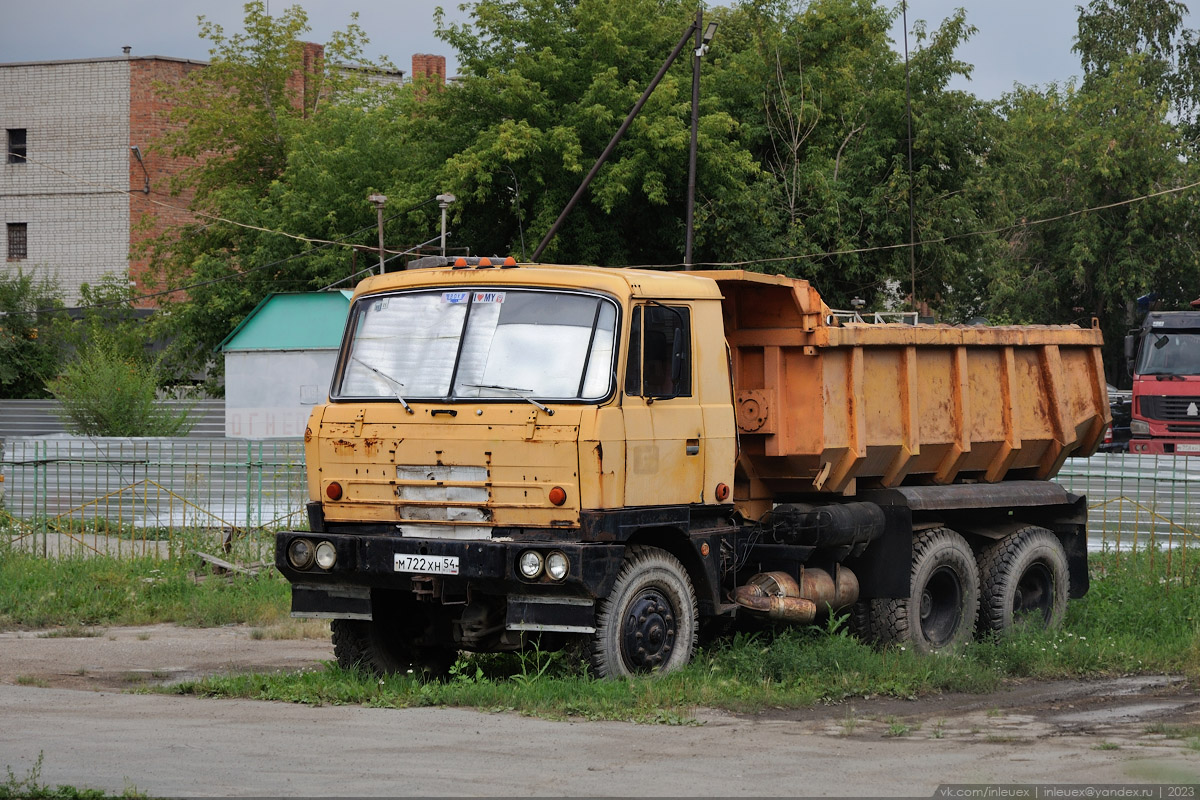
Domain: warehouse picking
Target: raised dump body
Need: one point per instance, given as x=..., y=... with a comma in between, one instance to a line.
x=834, y=406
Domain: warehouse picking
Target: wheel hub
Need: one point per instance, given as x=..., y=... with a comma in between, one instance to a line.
x=648, y=633
x=941, y=606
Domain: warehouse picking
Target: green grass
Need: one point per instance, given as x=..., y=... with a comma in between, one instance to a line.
x=30, y=786
x=1132, y=621
x=81, y=592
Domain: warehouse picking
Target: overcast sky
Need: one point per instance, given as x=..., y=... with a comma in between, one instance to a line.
x=1019, y=41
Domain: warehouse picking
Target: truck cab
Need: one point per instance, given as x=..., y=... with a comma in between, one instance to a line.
x=1164, y=360
x=496, y=437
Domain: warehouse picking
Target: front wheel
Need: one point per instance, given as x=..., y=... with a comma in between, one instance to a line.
x=1025, y=581
x=648, y=622
x=943, y=600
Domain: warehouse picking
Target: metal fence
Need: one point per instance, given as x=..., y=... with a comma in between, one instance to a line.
x=148, y=489
x=138, y=495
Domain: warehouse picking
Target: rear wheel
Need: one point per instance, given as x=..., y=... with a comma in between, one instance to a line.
x=943, y=600
x=396, y=641
x=648, y=622
x=1025, y=581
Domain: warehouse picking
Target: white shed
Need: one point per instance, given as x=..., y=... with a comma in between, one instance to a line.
x=279, y=361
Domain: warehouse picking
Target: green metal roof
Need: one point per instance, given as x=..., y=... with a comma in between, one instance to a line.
x=310, y=321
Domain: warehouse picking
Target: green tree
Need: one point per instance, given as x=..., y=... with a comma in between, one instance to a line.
x=283, y=142
x=544, y=87
x=1112, y=31
x=32, y=327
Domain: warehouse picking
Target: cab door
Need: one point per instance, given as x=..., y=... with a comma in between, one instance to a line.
x=664, y=456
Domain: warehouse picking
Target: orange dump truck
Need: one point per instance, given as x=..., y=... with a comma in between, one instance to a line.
x=614, y=457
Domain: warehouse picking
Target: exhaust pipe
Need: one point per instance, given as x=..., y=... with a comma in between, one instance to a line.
x=780, y=597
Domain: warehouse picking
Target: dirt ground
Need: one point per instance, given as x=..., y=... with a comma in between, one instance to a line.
x=1141, y=729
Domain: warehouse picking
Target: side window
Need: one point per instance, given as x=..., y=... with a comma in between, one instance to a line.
x=660, y=352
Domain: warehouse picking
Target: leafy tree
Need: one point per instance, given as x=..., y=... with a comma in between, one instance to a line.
x=1111, y=31
x=32, y=330
x=276, y=152
x=544, y=87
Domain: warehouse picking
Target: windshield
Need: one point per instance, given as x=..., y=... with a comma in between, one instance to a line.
x=494, y=343
x=1171, y=353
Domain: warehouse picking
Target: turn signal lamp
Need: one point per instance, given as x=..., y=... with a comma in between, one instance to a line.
x=334, y=491
x=558, y=495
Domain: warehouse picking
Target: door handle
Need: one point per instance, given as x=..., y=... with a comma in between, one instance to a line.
x=693, y=447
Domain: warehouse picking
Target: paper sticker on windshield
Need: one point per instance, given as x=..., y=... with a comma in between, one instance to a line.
x=489, y=297
x=455, y=297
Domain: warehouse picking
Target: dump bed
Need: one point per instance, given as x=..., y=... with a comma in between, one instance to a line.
x=832, y=406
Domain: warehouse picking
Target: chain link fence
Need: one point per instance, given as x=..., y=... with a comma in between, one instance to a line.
x=142, y=495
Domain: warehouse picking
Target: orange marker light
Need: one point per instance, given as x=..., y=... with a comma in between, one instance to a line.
x=722, y=492
x=334, y=491
x=558, y=495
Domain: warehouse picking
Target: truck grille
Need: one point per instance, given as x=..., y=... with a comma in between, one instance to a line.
x=443, y=493
x=1182, y=408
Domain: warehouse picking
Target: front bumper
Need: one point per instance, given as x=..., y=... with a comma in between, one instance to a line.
x=368, y=561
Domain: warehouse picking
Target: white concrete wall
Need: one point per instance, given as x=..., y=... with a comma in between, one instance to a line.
x=70, y=192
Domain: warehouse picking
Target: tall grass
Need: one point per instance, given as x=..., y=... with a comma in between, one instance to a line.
x=38, y=592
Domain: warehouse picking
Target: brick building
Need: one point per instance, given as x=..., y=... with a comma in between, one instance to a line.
x=79, y=187
x=72, y=187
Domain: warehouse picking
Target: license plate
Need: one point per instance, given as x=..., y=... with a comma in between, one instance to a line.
x=436, y=565
x=1187, y=448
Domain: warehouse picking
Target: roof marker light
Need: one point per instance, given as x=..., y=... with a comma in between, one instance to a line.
x=484, y=263
x=509, y=263
x=460, y=263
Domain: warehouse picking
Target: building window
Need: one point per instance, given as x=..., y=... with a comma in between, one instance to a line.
x=18, y=241
x=16, y=145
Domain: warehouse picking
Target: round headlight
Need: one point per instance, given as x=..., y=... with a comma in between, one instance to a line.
x=557, y=565
x=530, y=564
x=300, y=553
x=326, y=555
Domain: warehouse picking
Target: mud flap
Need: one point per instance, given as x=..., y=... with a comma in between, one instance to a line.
x=559, y=614
x=331, y=602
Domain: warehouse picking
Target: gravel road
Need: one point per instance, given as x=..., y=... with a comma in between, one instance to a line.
x=68, y=700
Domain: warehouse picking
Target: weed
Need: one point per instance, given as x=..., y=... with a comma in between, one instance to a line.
x=939, y=730
x=72, y=632
x=896, y=729
x=1106, y=745
x=32, y=680
x=849, y=724
x=31, y=787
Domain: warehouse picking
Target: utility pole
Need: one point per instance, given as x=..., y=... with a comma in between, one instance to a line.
x=378, y=200
x=444, y=201
x=702, y=40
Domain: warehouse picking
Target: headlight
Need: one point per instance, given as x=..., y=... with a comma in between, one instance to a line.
x=300, y=553
x=1139, y=427
x=326, y=555
x=557, y=565
x=530, y=564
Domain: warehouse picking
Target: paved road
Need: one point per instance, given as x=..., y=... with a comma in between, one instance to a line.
x=172, y=746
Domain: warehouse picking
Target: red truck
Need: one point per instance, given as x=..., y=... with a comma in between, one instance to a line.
x=1164, y=359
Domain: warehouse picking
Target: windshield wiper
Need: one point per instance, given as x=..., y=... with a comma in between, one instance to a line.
x=521, y=393
x=397, y=384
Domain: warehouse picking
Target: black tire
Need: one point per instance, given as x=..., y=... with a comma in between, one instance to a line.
x=382, y=646
x=861, y=622
x=940, y=611
x=1024, y=580
x=648, y=622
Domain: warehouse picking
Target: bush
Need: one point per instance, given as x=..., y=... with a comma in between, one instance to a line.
x=31, y=340
x=105, y=392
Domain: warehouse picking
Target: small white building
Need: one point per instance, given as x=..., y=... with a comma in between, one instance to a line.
x=279, y=362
